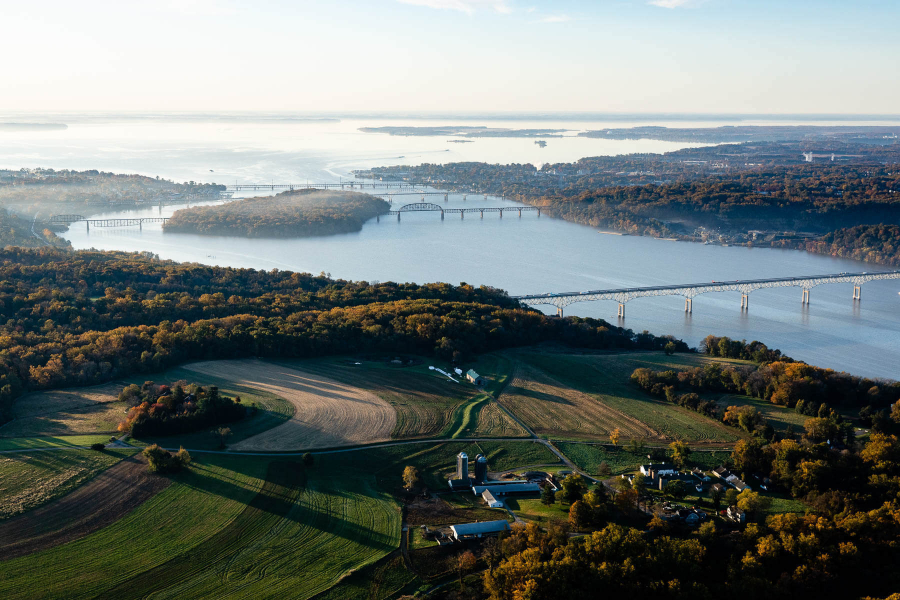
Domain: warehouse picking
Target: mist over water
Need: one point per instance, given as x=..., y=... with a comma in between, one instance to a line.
x=522, y=255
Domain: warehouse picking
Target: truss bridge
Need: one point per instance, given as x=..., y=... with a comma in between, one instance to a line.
x=689, y=291
x=429, y=207
x=124, y=222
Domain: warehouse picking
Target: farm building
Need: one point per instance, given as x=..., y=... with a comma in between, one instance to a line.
x=468, y=531
x=654, y=471
x=474, y=377
x=462, y=466
x=481, y=468
x=505, y=488
x=491, y=500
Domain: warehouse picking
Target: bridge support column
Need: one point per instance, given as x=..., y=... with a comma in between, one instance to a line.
x=621, y=310
x=378, y=218
x=446, y=197
x=539, y=212
x=442, y=215
x=520, y=213
x=482, y=214
x=745, y=301
x=88, y=225
x=462, y=215
x=485, y=196
x=559, y=311
x=805, y=299
x=464, y=197
x=857, y=292
x=398, y=217
x=688, y=305
x=501, y=213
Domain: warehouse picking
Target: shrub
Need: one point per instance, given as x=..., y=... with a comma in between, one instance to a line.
x=160, y=460
x=99, y=446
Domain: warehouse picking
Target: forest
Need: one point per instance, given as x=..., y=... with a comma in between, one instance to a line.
x=34, y=188
x=79, y=318
x=162, y=409
x=295, y=213
x=847, y=206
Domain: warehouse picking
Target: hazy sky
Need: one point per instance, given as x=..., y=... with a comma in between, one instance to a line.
x=756, y=56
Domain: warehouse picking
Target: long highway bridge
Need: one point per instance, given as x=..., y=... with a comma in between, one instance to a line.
x=383, y=185
x=691, y=290
x=139, y=221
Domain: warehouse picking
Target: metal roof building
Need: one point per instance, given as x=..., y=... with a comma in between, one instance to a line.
x=509, y=488
x=477, y=530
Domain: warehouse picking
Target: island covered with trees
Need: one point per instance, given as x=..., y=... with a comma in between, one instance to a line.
x=295, y=213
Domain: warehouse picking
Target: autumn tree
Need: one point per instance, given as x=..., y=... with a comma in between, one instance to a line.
x=614, y=437
x=679, y=452
x=222, y=434
x=410, y=477
x=573, y=488
x=548, y=496
x=465, y=562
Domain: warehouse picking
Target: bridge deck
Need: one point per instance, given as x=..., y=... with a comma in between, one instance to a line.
x=691, y=290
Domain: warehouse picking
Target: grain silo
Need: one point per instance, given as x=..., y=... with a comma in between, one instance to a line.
x=462, y=466
x=481, y=468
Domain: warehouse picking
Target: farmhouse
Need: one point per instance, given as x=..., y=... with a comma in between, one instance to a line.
x=468, y=531
x=474, y=377
x=657, y=470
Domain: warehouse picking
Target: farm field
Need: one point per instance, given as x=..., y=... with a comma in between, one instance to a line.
x=48, y=442
x=606, y=377
x=30, y=479
x=553, y=409
x=70, y=411
x=426, y=403
x=327, y=413
x=492, y=421
x=97, y=503
x=246, y=527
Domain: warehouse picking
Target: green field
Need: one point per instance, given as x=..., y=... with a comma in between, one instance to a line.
x=29, y=479
x=243, y=526
x=62, y=441
x=607, y=378
x=531, y=509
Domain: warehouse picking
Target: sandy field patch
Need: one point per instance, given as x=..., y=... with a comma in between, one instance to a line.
x=328, y=413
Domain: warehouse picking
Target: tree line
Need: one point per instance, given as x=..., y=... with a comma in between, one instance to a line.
x=54, y=332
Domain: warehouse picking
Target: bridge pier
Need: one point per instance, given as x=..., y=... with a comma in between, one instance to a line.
x=482, y=214
x=378, y=218
x=688, y=305
x=87, y=225
x=462, y=215
x=539, y=212
x=805, y=298
x=501, y=213
x=446, y=197
x=398, y=217
x=442, y=215
x=520, y=213
x=559, y=311
x=857, y=292
x=745, y=301
x=464, y=197
x=621, y=314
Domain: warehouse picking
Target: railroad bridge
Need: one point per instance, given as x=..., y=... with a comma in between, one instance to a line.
x=429, y=207
x=690, y=291
x=139, y=221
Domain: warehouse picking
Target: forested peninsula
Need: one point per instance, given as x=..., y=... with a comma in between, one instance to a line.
x=296, y=213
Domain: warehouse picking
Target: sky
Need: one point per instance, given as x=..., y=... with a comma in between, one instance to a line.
x=420, y=56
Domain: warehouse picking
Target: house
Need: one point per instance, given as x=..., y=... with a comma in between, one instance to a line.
x=468, y=531
x=717, y=488
x=474, y=377
x=721, y=472
x=699, y=474
x=739, y=485
x=736, y=514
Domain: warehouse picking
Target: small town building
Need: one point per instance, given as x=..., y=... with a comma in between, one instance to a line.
x=491, y=500
x=654, y=471
x=503, y=488
x=736, y=514
x=468, y=531
x=474, y=377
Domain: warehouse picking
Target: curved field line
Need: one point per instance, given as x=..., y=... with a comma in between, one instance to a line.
x=327, y=413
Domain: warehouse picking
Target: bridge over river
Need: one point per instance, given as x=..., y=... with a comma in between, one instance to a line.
x=689, y=291
x=428, y=207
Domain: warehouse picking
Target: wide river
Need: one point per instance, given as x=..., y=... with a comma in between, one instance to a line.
x=522, y=255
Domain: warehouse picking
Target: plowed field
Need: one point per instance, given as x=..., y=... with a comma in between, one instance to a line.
x=328, y=413
x=549, y=407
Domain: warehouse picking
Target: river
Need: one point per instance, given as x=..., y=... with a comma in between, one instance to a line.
x=523, y=255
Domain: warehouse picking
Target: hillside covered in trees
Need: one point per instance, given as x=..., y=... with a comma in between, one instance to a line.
x=15, y=231
x=296, y=213
x=761, y=193
x=79, y=318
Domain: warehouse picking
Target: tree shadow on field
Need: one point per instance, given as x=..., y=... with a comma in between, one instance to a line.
x=542, y=396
